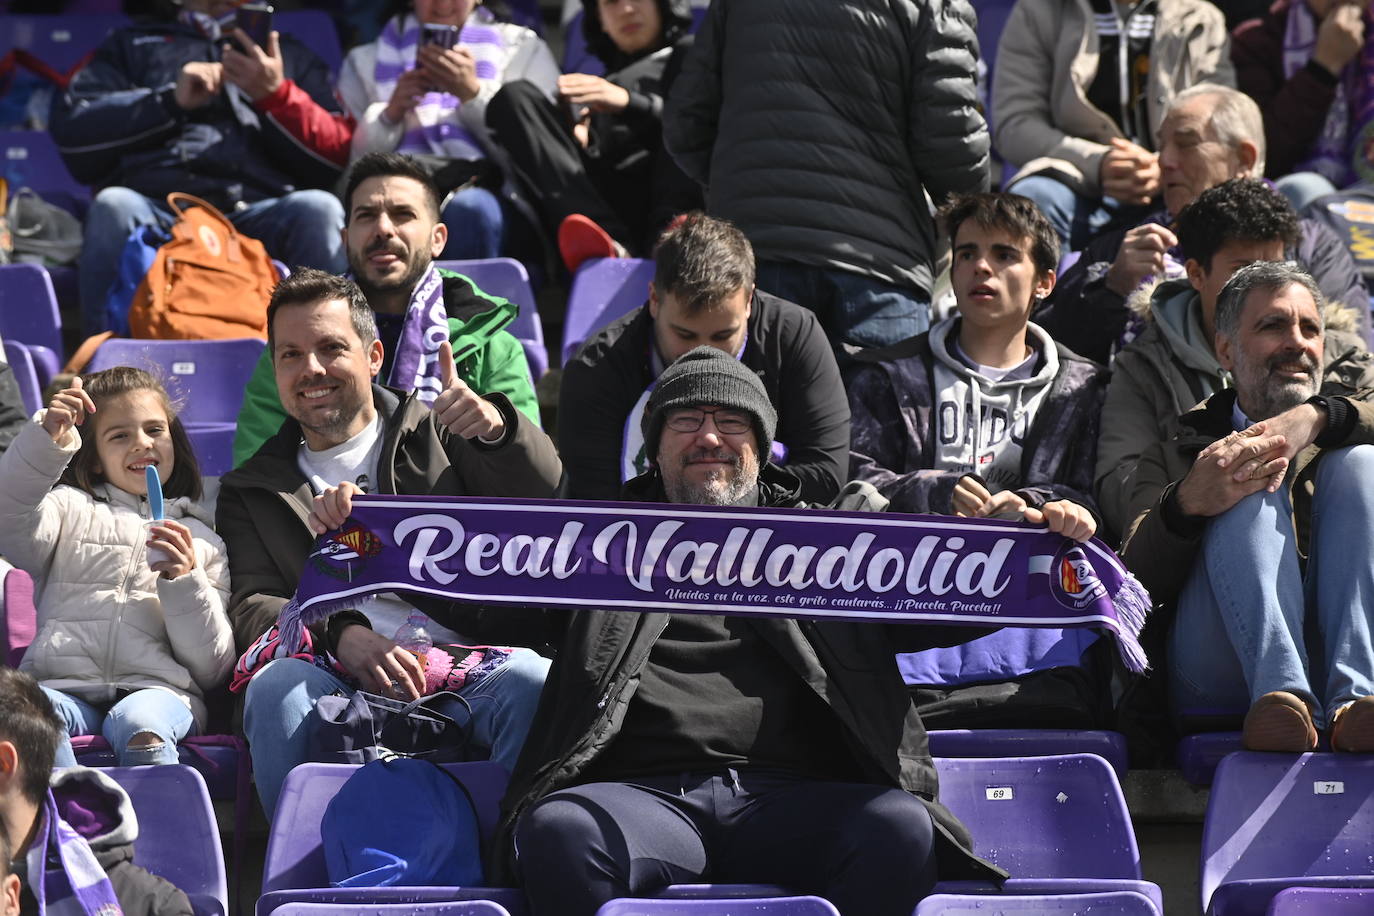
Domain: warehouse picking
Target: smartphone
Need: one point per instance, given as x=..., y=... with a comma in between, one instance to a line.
x=444, y=36
x=255, y=19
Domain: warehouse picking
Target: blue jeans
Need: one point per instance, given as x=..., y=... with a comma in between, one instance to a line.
x=302, y=229
x=1075, y=218
x=852, y=308
x=281, y=699
x=154, y=711
x=867, y=848
x=476, y=225
x=1247, y=611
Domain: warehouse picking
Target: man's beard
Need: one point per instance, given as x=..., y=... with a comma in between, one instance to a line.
x=416, y=265
x=724, y=487
x=1267, y=395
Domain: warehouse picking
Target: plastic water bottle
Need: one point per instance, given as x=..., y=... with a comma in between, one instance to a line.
x=414, y=638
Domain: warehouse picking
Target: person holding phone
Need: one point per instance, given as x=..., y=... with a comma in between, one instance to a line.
x=422, y=89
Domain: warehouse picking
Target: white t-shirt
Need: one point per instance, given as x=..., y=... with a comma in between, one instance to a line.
x=356, y=460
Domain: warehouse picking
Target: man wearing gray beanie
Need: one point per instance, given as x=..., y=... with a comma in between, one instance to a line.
x=686, y=748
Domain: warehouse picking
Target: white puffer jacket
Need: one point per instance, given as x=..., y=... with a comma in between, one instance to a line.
x=106, y=622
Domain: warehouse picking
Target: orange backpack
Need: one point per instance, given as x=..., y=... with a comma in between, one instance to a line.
x=208, y=283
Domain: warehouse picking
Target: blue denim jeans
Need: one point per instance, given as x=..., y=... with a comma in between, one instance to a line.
x=852, y=308
x=280, y=701
x=158, y=712
x=302, y=229
x=1247, y=613
x=476, y=225
x=1075, y=218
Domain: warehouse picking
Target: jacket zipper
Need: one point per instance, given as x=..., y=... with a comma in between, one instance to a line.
x=122, y=602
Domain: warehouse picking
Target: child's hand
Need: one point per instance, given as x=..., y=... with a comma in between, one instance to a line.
x=175, y=539
x=68, y=408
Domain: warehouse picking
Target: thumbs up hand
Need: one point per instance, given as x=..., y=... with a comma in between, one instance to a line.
x=461, y=410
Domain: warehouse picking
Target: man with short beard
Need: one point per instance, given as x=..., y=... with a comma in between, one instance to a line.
x=680, y=748
x=392, y=234
x=1261, y=528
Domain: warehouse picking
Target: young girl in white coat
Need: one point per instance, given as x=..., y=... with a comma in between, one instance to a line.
x=129, y=638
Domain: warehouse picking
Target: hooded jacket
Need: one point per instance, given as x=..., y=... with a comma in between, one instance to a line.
x=106, y=622
x=1046, y=61
x=119, y=124
x=1169, y=369
x=264, y=503
x=100, y=811
x=894, y=445
x=488, y=358
x=819, y=127
x=849, y=665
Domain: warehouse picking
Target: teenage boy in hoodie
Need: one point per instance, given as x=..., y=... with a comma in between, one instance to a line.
x=78, y=825
x=602, y=182
x=1172, y=366
x=984, y=416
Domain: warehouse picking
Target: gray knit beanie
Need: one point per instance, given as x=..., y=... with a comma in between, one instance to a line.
x=709, y=376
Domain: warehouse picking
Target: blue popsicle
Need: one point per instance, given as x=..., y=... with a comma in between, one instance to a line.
x=154, y=493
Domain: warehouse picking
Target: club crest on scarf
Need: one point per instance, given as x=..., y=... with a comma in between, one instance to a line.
x=343, y=555
x=1076, y=586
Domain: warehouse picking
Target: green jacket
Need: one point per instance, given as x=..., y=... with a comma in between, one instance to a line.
x=488, y=358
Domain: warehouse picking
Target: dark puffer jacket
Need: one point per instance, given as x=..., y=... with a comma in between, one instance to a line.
x=818, y=127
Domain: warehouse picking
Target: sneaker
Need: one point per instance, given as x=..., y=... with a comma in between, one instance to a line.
x=1279, y=721
x=580, y=238
x=1352, y=728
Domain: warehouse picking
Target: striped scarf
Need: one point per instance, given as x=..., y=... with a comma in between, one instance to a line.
x=432, y=126
x=79, y=887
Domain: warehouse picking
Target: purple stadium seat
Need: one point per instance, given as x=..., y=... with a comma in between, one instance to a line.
x=29, y=159
x=1072, y=830
x=432, y=908
x=28, y=314
x=61, y=42
x=736, y=906
x=1323, y=901
x=1029, y=742
x=1285, y=820
x=178, y=838
x=1198, y=755
x=1114, y=903
x=410, y=899
x=19, y=617
x=314, y=29
x=603, y=289
x=507, y=278
x=21, y=363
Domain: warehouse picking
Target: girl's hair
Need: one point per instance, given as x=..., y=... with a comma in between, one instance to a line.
x=102, y=386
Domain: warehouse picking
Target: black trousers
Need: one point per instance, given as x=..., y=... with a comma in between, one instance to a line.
x=631, y=194
x=868, y=849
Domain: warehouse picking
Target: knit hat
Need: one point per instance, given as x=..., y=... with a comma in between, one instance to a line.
x=709, y=376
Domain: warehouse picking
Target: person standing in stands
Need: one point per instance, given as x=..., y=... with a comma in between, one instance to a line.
x=702, y=293
x=820, y=128
x=412, y=96
x=392, y=237
x=192, y=104
x=604, y=185
x=1080, y=90
x=986, y=417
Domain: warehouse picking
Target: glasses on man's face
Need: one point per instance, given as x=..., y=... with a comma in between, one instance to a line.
x=729, y=422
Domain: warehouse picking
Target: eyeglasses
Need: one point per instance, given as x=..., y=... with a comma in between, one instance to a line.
x=729, y=422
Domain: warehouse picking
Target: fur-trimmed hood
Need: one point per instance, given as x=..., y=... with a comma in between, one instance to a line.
x=1337, y=316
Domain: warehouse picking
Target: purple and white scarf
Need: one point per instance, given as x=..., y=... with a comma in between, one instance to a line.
x=81, y=885
x=805, y=563
x=416, y=364
x=1338, y=154
x=432, y=126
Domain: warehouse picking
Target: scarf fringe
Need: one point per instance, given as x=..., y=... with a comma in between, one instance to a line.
x=1132, y=603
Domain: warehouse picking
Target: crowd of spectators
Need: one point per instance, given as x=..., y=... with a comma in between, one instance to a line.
x=1195, y=389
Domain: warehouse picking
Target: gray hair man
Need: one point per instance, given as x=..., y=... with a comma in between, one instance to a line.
x=1261, y=529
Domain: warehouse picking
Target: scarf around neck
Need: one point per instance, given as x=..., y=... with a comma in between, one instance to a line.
x=416, y=364
x=433, y=126
x=80, y=886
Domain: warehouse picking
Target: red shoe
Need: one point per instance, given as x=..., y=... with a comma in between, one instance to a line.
x=580, y=239
x=1353, y=729
x=1279, y=721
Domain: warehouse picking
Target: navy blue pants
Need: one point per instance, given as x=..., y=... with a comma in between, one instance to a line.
x=868, y=849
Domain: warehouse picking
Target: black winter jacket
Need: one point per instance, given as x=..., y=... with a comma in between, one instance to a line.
x=118, y=124
x=819, y=127
x=785, y=346
x=851, y=666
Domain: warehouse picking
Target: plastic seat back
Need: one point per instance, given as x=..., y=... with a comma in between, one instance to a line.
x=431, y=908
x=25, y=375
x=209, y=376
x=314, y=29
x=59, y=41
x=507, y=278
x=1324, y=901
x=28, y=309
x=1029, y=742
x=603, y=290
x=1110, y=903
x=726, y=906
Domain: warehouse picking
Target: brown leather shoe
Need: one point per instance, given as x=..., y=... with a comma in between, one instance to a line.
x=1353, y=730
x=1279, y=721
